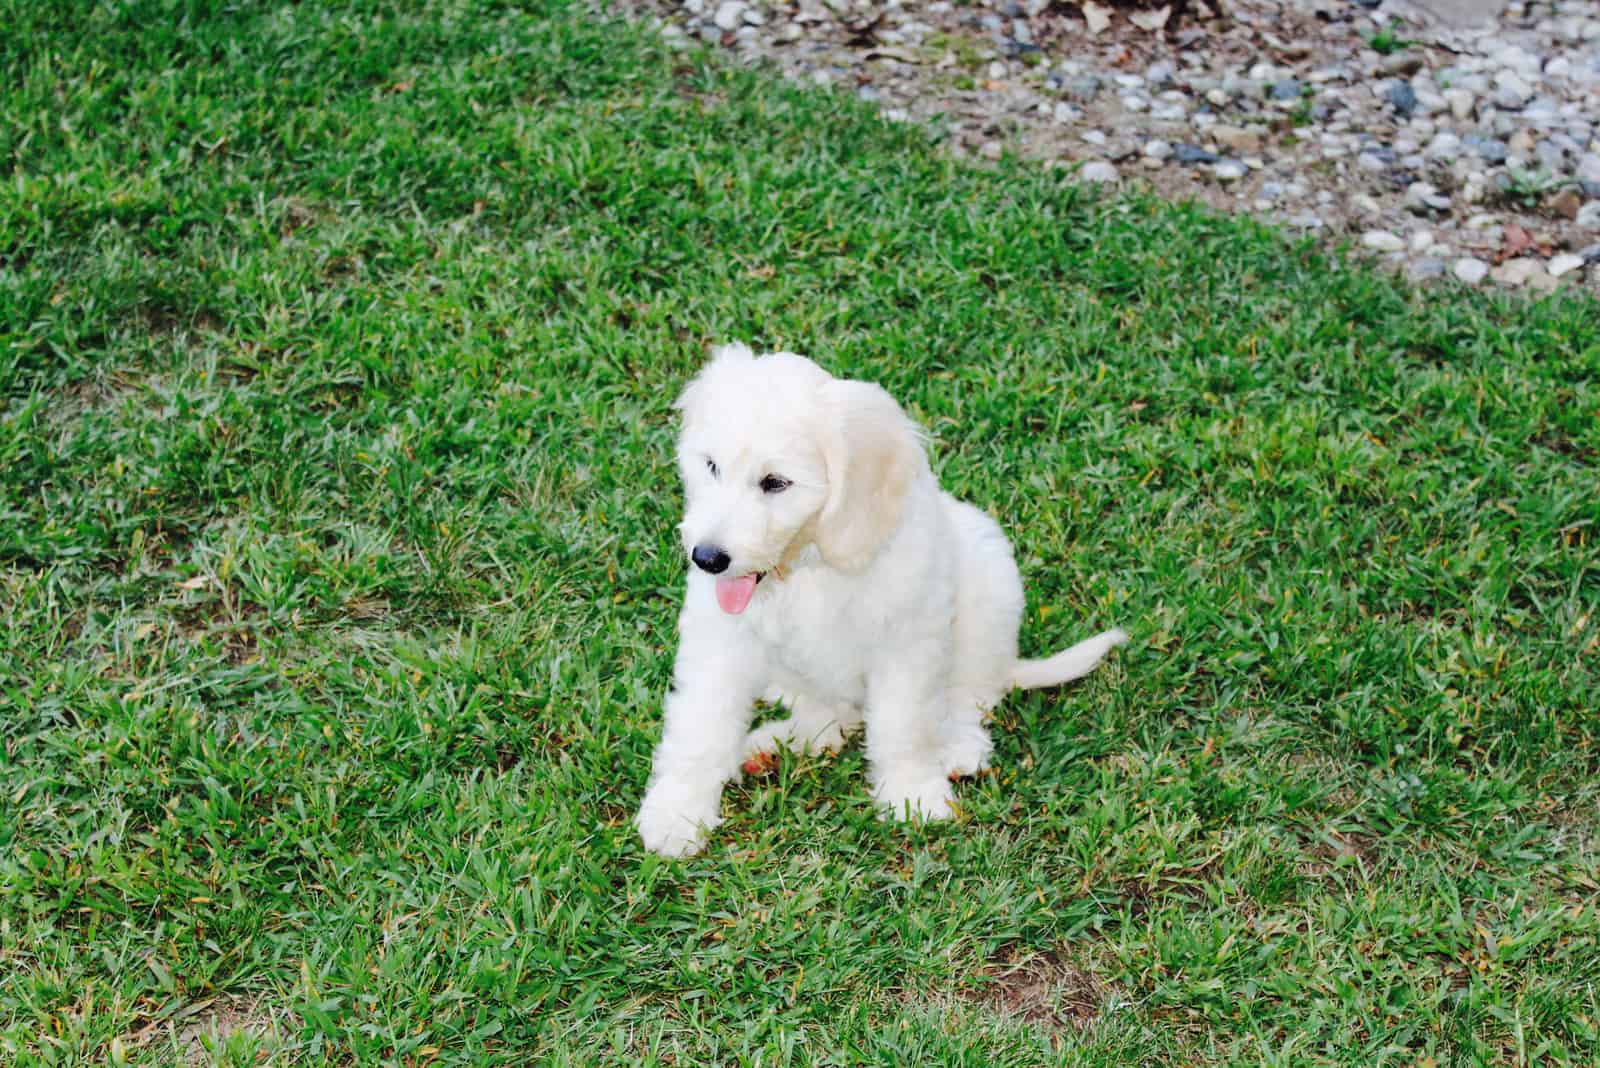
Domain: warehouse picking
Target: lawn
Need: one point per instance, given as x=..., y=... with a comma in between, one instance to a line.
x=338, y=577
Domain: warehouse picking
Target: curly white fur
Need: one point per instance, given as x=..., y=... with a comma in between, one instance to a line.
x=851, y=588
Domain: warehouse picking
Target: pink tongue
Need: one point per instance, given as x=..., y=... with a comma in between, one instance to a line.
x=734, y=594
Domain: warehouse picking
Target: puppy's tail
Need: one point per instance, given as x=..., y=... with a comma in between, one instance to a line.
x=1071, y=663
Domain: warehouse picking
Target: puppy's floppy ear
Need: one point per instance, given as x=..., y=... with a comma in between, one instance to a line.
x=723, y=356
x=873, y=455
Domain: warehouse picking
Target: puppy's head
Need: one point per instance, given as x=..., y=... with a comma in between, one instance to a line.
x=775, y=454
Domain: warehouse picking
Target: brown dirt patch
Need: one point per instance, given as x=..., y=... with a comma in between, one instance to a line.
x=1328, y=851
x=1044, y=989
x=217, y=1021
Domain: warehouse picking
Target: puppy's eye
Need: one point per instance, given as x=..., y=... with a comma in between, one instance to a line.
x=774, y=484
x=711, y=465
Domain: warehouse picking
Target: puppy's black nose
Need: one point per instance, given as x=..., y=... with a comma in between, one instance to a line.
x=710, y=559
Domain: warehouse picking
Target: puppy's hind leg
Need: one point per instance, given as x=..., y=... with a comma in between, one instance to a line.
x=964, y=744
x=905, y=717
x=811, y=727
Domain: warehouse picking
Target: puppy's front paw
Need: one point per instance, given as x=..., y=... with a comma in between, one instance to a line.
x=762, y=744
x=966, y=751
x=918, y=799
x=673, y=824
x=760, y=764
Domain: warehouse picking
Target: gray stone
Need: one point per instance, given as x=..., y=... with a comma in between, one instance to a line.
x=1425, y=270
x=1402, y=97
x=1160, y=74
x=1193, y=154
x=1424, y=197
x=1550, y=156
x=1234, y=85
x=1543, y=280
x=1229, y=170
x=1590, y=253
x=1084, y=88
x=1508, y=100
x=1429, y=102
x=1462, y=103
x=1236, y=138
x=1517, y=272
x=1099, y=171
x=1471, y=271
x=1518, y=59
x=1445, y=147
x=1511, y=92
x=1287, y=89
x=1383, y=241
x=1459, y=14
x=1157, y=149
x=729, y=16
x=1376, y=158
x=1564, y=264
x=1488, y=149
x=1401, y=64
x=1541, y=109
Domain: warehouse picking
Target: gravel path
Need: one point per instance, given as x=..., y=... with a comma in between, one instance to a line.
x=1465, y=151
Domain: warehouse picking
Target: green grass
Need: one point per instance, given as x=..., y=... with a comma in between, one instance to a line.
x=338, y=579
x=1386, y=42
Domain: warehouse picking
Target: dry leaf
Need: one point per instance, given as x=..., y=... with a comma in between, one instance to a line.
x=1151, y=20
x=1514, y=243
x=195, y=583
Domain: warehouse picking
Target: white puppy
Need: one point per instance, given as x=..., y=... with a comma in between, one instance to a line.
x=832, y=573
